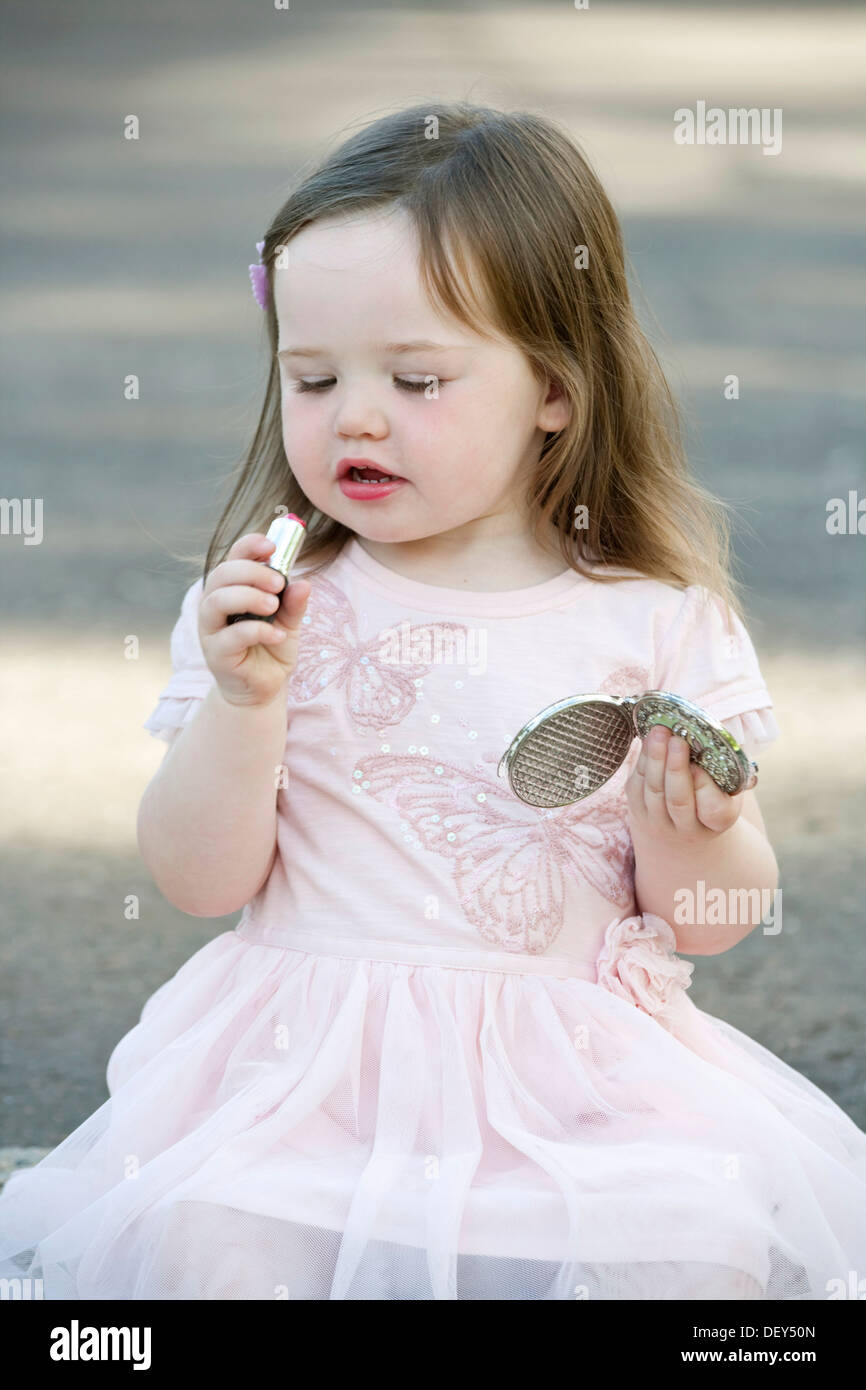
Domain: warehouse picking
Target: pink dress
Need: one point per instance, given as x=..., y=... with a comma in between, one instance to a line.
x=441, y=1056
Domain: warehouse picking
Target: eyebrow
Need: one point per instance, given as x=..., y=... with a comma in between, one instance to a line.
x=392, y=349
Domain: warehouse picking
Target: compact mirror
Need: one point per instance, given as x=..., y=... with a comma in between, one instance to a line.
x=572, y=748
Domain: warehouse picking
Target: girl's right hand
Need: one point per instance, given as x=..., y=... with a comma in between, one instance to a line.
x=250, y=660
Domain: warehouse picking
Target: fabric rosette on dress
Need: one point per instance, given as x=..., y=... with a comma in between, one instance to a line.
x=638, y=962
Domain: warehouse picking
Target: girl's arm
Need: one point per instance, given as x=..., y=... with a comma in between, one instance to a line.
x=207, y=824
x=207, y=820
x=689, y=838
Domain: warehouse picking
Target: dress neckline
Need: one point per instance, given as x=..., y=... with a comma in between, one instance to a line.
x=435, y=597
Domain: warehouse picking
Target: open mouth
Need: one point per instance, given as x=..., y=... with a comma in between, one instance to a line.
x=372, y=475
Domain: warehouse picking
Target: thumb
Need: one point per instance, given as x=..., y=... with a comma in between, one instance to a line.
x=293, y=601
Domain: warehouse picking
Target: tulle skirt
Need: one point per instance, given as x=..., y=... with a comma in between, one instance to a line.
x=292, y=1124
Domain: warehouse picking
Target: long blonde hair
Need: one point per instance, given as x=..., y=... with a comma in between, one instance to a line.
x=510, y=197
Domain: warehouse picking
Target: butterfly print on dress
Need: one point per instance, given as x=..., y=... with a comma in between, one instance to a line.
x=378, y=692
x=510, y=862
x=626, y=680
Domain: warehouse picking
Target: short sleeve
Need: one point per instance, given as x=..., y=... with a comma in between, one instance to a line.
x=707, y=656
x=192, y=678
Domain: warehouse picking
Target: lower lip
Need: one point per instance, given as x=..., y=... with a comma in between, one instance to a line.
x=364, y=492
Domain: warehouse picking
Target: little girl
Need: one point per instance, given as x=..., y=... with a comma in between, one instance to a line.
x=447, y=1052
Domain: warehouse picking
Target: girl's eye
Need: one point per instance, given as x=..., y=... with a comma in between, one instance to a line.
x=302, y=385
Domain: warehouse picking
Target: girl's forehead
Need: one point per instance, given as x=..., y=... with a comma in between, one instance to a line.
x=312, y=280
x=360, y=275
x=389, y=315
x=337, y=244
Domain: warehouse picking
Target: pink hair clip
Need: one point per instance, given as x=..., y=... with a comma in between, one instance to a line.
x=259, y=278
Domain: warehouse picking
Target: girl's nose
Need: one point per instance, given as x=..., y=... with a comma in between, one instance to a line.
x=358, y=415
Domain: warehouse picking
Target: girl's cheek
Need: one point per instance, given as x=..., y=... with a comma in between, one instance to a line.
x=434, y=424
x=299, y=451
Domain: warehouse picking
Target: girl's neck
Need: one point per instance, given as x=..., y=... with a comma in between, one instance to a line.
x=493, y=563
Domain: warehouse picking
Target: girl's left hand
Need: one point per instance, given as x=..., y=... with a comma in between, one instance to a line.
x=672, y=798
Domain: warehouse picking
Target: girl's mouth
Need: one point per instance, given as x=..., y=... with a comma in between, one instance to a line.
x=364, y=484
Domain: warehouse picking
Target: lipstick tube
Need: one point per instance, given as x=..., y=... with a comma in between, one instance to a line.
x=287, y=533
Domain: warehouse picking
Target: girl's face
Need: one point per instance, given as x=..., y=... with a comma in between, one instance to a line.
x=347, y=298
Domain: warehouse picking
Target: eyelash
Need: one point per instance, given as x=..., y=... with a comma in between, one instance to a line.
x=302, y=385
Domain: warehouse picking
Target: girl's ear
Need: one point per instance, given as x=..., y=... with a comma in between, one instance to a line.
x=555, y=412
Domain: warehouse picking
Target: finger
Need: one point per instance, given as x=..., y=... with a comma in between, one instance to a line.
x=655, y=747
x=293, y=601
x=238, y=637
x=254, y=546
x=679, y=785
x=235, y=598
x=715, y=809
x=250, y=572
